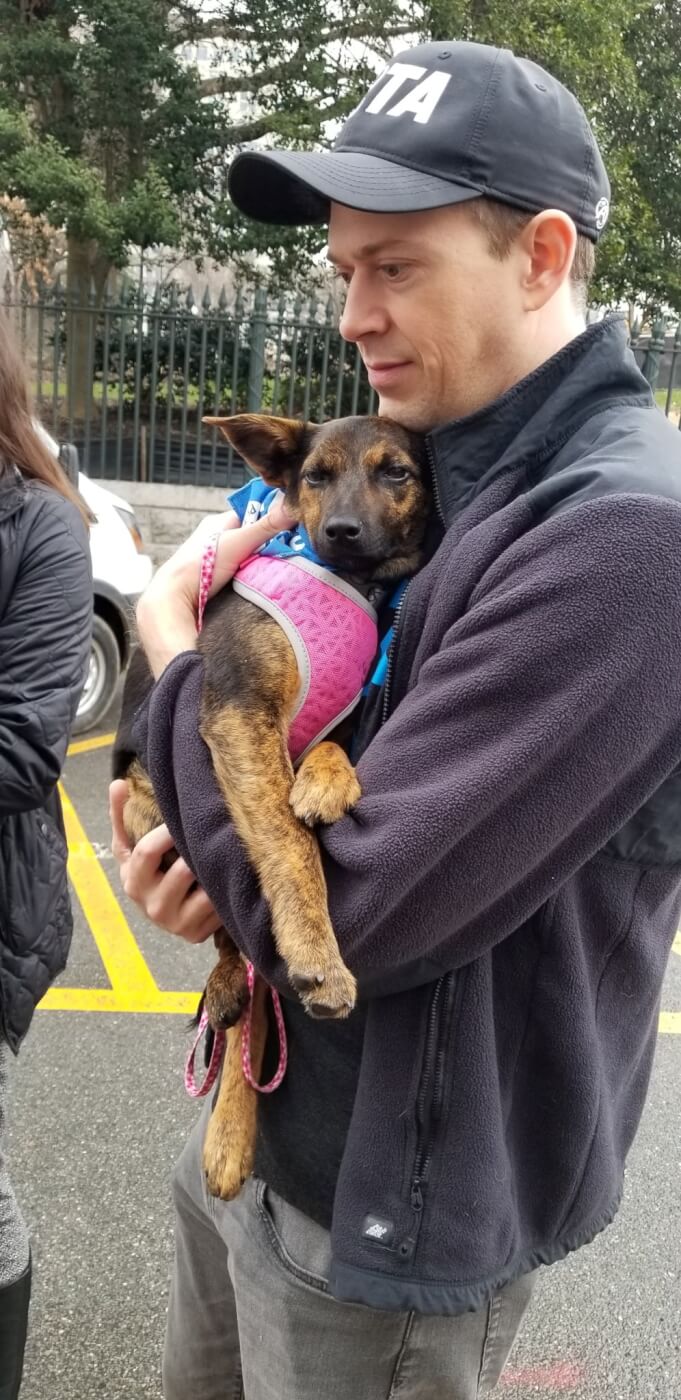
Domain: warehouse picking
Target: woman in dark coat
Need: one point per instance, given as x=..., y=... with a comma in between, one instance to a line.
x=45, y=622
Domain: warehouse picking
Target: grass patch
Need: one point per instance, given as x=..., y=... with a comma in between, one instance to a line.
x=661, y=400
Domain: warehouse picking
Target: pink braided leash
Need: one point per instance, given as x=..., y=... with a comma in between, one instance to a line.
x=280, y=1071
x=199, y=1091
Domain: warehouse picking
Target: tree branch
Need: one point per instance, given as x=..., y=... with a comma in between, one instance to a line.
x=219, y=29
x=242, y=132
x=364, y=31
x=222, y=83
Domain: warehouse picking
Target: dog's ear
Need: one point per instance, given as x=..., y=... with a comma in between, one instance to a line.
x=273, y=447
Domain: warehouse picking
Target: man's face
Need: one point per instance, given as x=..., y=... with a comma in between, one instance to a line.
x=437, y=319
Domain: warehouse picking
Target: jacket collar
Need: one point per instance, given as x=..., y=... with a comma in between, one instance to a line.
x=533, y=418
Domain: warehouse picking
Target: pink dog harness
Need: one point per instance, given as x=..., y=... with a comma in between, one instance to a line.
x=333, y=631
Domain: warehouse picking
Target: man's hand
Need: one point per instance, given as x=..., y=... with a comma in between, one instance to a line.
x=166, y=612
x=170, y=898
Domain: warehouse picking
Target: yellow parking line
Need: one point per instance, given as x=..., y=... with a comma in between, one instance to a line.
x=103, y=741
x=670, y=1023
x=105, y=999
x=676, y=945
x=133, y=988
x=127, y=971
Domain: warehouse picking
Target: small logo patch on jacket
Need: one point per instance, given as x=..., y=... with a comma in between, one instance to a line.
x=376, y=1228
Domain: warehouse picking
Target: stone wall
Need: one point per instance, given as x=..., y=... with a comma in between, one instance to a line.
x=166, y=514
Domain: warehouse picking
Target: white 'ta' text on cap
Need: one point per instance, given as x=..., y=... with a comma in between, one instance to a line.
x=421, y=101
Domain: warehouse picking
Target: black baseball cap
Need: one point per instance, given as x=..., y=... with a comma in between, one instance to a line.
x=443, y=124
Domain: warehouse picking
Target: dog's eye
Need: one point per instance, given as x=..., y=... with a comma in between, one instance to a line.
x=316, y=476
x=393, y=471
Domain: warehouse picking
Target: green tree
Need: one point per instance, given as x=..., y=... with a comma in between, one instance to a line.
x=648, y=144
x=298, y=72
x=107, y=131
x=102, y=129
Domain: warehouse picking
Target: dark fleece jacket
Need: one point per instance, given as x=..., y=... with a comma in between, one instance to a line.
x=507, y=889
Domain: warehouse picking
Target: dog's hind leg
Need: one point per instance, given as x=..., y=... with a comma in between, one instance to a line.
x=229, y=1144
x=226, y=991
x=141, y=812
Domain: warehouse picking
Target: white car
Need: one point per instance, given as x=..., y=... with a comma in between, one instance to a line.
x=121, y=571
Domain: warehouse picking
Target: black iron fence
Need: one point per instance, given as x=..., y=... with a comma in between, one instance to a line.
x=659, y=357
x=129, y=379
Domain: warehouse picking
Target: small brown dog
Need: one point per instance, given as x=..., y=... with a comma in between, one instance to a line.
x=360, y=488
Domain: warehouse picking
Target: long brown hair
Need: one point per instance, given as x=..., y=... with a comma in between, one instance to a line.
x=20, y=444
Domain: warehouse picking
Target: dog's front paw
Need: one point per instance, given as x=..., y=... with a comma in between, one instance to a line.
x=325, y=786
x=227, y=1160
x=326, y=993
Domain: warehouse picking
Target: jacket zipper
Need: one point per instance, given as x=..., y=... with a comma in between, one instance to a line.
x=430, y=1096
x=391, y=655
x=426, y=1079
x=400, y=606
x=436, y=488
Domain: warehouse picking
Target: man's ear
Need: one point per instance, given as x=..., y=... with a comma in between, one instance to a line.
x=273, y=447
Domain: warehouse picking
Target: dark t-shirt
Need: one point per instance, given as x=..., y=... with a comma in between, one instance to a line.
x=303, y=1125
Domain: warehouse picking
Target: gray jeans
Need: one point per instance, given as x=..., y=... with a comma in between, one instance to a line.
x=251, y=1317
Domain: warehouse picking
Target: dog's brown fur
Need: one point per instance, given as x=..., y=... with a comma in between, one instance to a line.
x=369, y=472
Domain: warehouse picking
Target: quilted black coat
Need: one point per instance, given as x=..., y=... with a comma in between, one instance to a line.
x=45, y=624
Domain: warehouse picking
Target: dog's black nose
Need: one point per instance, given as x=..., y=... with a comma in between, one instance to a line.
x=343, y=529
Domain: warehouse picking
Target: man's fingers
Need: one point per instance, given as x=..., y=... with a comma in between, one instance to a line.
x=235, y=546
x=141, y=874
x=199, y=919
x=278, y=517
x=154, y=845
x=170, y=898
x=175, y=902
x=178, y=882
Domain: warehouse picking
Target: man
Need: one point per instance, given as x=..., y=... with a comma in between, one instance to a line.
x=507, y=889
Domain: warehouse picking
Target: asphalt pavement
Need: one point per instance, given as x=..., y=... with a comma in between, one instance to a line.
x=100, y=1113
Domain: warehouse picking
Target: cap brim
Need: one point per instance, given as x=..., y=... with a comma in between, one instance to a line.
x=296, y=187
